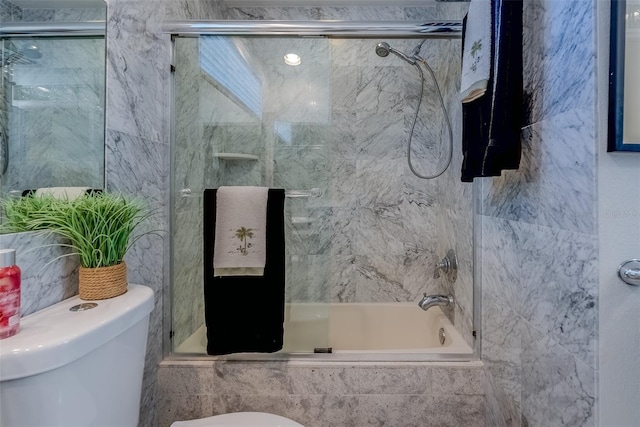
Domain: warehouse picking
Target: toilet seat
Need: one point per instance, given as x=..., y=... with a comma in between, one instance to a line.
x=240, y=419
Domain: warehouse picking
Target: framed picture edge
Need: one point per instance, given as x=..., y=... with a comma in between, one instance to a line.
x=616, y=80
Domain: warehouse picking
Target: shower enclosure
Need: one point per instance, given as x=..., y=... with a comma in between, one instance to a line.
x=311, y=108
x=52, y=95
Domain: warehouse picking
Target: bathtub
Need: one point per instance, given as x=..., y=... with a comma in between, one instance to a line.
x=358, y=331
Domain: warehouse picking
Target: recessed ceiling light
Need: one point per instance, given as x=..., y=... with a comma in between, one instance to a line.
x=292, y=59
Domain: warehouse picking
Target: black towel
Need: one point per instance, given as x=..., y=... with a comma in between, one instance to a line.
x=246, y=313
x=491, y=124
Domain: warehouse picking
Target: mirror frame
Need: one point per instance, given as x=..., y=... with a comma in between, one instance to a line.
x=616, y=79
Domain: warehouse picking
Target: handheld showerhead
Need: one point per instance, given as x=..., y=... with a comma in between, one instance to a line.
x=383, y=49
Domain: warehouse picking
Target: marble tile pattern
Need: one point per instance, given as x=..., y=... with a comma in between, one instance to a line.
x=66, y=14
x=534, y=380
x=9, y=11
x=46, y=278
x=531, y=274
x=541, y=271
x=555, y=186
x=344, y=394
x=560, y=60
x=137, y=69
x=138, y=158
x=539, y=235
x=137, y=166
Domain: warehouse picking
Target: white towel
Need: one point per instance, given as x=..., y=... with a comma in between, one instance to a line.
x=67, y=193
x=240, y=247
x=476, y=52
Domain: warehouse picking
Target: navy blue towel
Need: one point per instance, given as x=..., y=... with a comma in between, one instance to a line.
x=246, y=313
x=491, y=124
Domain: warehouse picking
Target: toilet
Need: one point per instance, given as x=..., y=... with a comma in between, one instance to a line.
x=80, y=364
x=240, y=419
x=77, y=363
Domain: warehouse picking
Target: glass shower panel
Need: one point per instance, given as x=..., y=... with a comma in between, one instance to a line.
x=52, y=112
x=244, y=117
x=361, y=229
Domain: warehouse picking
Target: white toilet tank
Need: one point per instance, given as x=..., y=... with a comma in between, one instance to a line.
x=77, y=368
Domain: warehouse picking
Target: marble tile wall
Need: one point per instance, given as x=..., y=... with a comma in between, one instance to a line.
x=67, y=14
x=9, y=11
x=46, y=278
x=539, y=244
x=137, y=154
x=340, y=394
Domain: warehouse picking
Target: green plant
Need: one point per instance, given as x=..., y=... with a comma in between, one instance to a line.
x=99, y=227
x=28, y=213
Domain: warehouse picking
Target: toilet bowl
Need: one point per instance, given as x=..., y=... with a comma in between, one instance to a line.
x=240, y=419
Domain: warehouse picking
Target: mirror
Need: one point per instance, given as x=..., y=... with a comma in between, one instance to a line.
x=624, y=86
x=52, y=94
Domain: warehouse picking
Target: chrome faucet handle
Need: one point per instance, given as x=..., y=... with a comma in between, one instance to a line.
x=448, y=265
x=442, y=265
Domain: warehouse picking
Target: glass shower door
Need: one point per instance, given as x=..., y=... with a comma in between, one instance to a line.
x=328, y=120
x=243, y=116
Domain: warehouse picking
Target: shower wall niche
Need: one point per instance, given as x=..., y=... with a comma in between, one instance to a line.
x=333, y=132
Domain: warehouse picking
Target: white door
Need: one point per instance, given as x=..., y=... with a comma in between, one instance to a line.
x=619, y=237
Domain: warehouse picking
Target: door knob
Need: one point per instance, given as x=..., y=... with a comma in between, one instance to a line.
x=629, y=272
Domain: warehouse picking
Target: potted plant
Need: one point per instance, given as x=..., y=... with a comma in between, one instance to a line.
x=98, y=227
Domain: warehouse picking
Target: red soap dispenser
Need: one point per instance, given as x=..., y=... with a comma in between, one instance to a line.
x=9, y=294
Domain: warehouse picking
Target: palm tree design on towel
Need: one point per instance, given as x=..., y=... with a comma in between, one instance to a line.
x=244, y=234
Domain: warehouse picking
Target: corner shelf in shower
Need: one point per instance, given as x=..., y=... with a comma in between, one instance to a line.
x=235, y=156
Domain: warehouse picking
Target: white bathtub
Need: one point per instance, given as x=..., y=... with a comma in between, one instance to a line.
x=350, y=328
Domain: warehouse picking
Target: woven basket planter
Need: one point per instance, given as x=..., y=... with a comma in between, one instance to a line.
x=103, y=282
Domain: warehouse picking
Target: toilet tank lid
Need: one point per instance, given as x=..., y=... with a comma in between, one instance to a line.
x=56, y=336
x=240, y=419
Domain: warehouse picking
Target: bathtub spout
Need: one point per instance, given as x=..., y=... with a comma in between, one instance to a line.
x=429, y=301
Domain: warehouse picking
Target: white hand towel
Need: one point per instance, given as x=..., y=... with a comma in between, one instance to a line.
x=476, y=52
x=67, y=193
x=240, y=245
